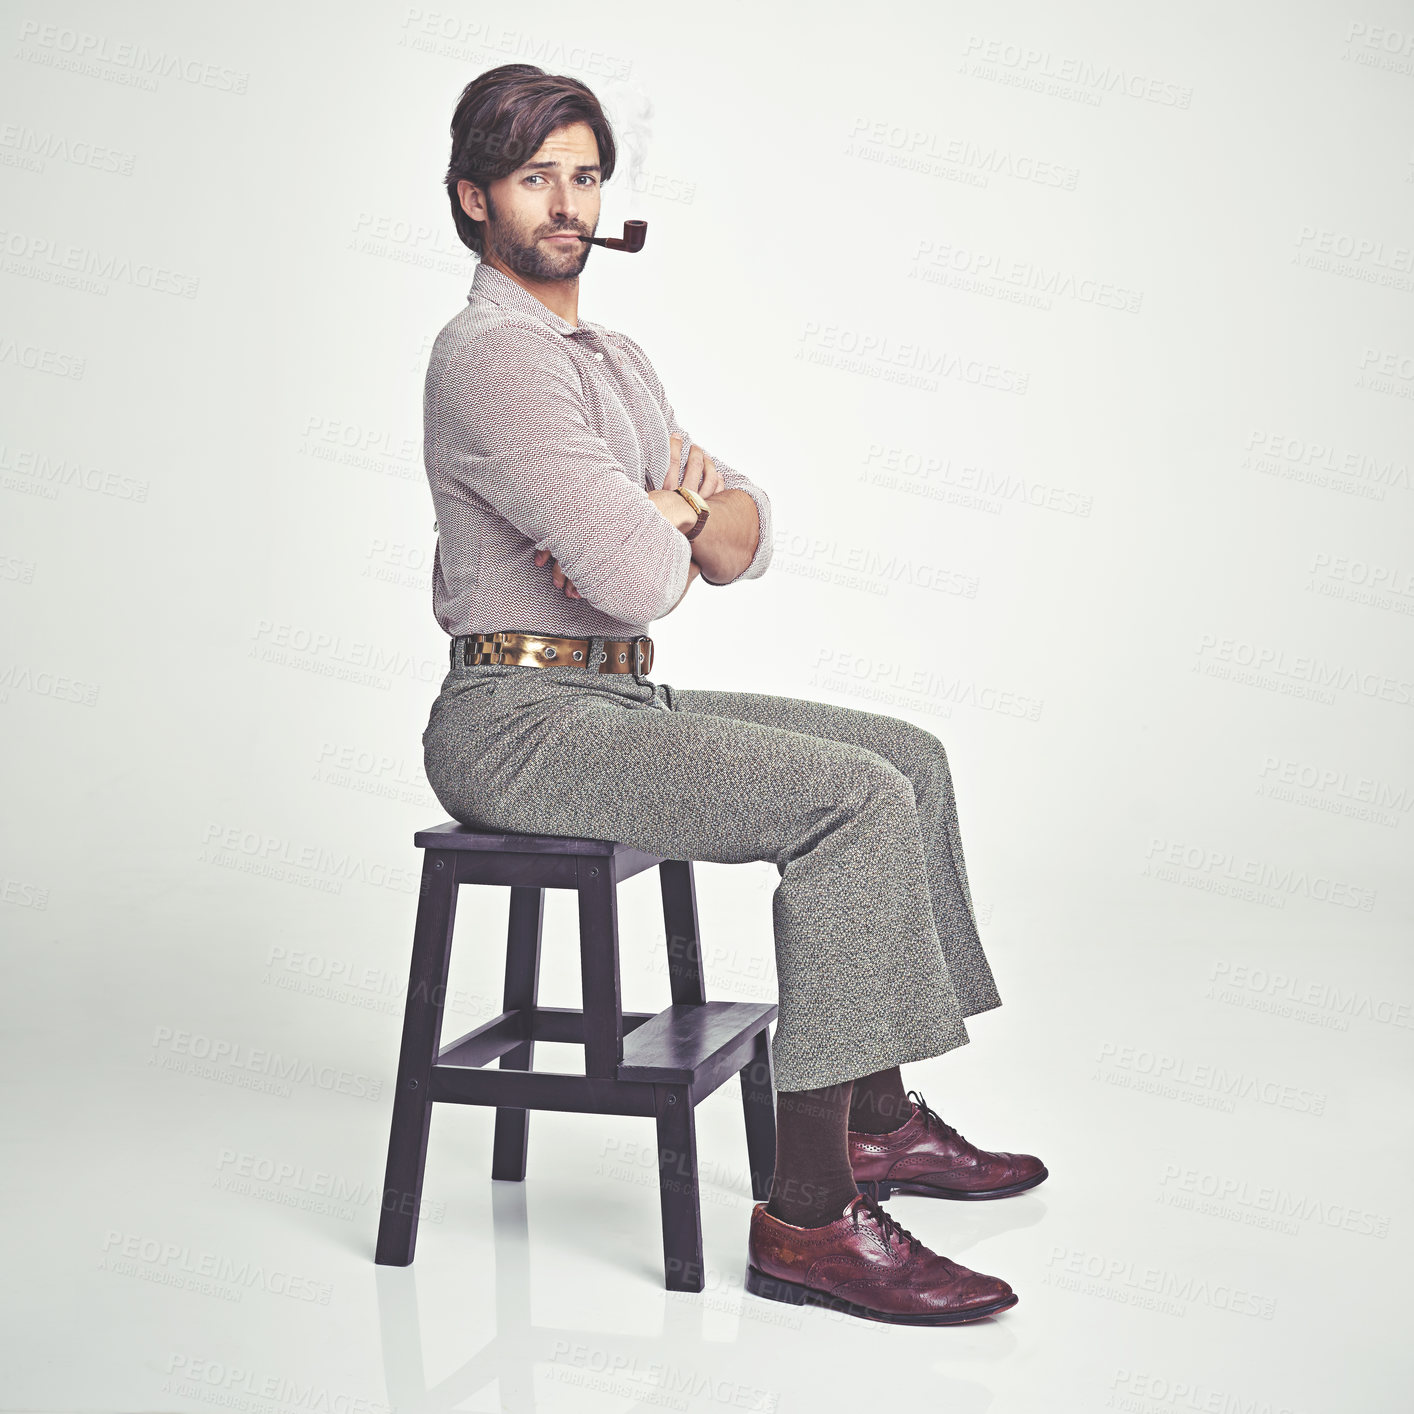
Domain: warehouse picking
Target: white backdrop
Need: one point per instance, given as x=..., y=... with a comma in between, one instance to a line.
x=1076, y=355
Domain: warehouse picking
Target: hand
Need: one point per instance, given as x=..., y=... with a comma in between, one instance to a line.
x=700, y=474
x=561, y=579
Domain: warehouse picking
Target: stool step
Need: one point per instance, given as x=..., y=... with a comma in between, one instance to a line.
x=504, y=1032
x=700, y=1044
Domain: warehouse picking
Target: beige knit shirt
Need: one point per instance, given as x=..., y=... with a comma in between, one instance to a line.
x=540, y=435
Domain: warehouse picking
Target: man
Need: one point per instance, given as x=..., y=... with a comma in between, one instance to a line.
x=572, y=510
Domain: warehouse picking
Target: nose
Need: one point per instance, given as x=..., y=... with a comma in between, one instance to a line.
x=565, y=202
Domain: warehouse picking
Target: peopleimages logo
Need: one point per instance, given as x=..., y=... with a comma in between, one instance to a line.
x=127, y=61
x=259, y=852
x=58, y=261
x=1261, y=664
x=989, y=272
x=1278, y=771
x=236, y=1387
x=901, y=361
x=1171, y=859
x=1224, y=1193
x=898, y=468
x=918, y=149
x=1294, y=458
x=318, y=649
x=1152, y=1288
x=1304, y=998
x=1176, y=1077
x=1139, y=1392
x=211, y=1273
x=1064, y=75
x=215, y=1057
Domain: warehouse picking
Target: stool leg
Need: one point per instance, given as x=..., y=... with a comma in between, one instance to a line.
x=680, y=919
x=522, y=989
x=599, y=967
x=422, y=1037
x=677, y=1188
x=758, y=1098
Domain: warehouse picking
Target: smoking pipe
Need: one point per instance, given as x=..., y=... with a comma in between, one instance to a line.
x=635, y=233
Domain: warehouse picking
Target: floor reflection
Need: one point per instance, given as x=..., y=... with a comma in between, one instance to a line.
x=780, y=1355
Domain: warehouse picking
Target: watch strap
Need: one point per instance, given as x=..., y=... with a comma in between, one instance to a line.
x=699, y=505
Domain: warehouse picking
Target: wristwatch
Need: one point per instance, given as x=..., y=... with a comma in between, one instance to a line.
x=697, y=504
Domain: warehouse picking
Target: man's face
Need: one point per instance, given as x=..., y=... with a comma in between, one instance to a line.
x=527, y=211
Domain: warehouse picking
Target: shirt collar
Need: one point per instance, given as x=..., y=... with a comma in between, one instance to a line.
x=498, y=287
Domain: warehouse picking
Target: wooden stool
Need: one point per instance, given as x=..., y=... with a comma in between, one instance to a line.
x=635, y=1063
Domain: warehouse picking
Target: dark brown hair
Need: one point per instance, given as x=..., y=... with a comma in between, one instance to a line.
x=501, y=119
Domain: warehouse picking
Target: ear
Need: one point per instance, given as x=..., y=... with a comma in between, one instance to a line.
x=473, y=199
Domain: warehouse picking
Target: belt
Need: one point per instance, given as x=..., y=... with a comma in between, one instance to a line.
x=539, y=650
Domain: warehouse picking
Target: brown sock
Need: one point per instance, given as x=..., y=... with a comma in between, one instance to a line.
x=880, y=1103
x=813, y=1180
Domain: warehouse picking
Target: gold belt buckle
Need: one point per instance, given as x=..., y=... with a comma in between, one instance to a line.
x=487, y=648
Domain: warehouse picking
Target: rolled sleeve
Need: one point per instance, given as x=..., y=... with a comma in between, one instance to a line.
x=733, y=479
x=506, y=423
x=736, y=481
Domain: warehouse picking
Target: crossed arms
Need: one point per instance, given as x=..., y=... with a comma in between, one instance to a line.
x=507, y=424
x=725, y=546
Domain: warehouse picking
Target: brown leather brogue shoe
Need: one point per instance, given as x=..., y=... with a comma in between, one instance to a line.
x=865, y=1264
x=926, y=1156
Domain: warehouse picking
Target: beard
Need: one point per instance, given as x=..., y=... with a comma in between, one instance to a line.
x=523, y=250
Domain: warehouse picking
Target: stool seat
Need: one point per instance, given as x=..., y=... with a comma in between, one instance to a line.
x=659, y=1064
x=452, y=835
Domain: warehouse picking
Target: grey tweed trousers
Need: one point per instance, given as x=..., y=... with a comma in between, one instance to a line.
x=878, y=959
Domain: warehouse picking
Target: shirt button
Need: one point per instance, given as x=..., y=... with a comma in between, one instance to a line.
x=599, y=356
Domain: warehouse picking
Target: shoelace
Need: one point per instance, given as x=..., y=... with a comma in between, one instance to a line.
x=932, y=1117
x=889, y=1226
